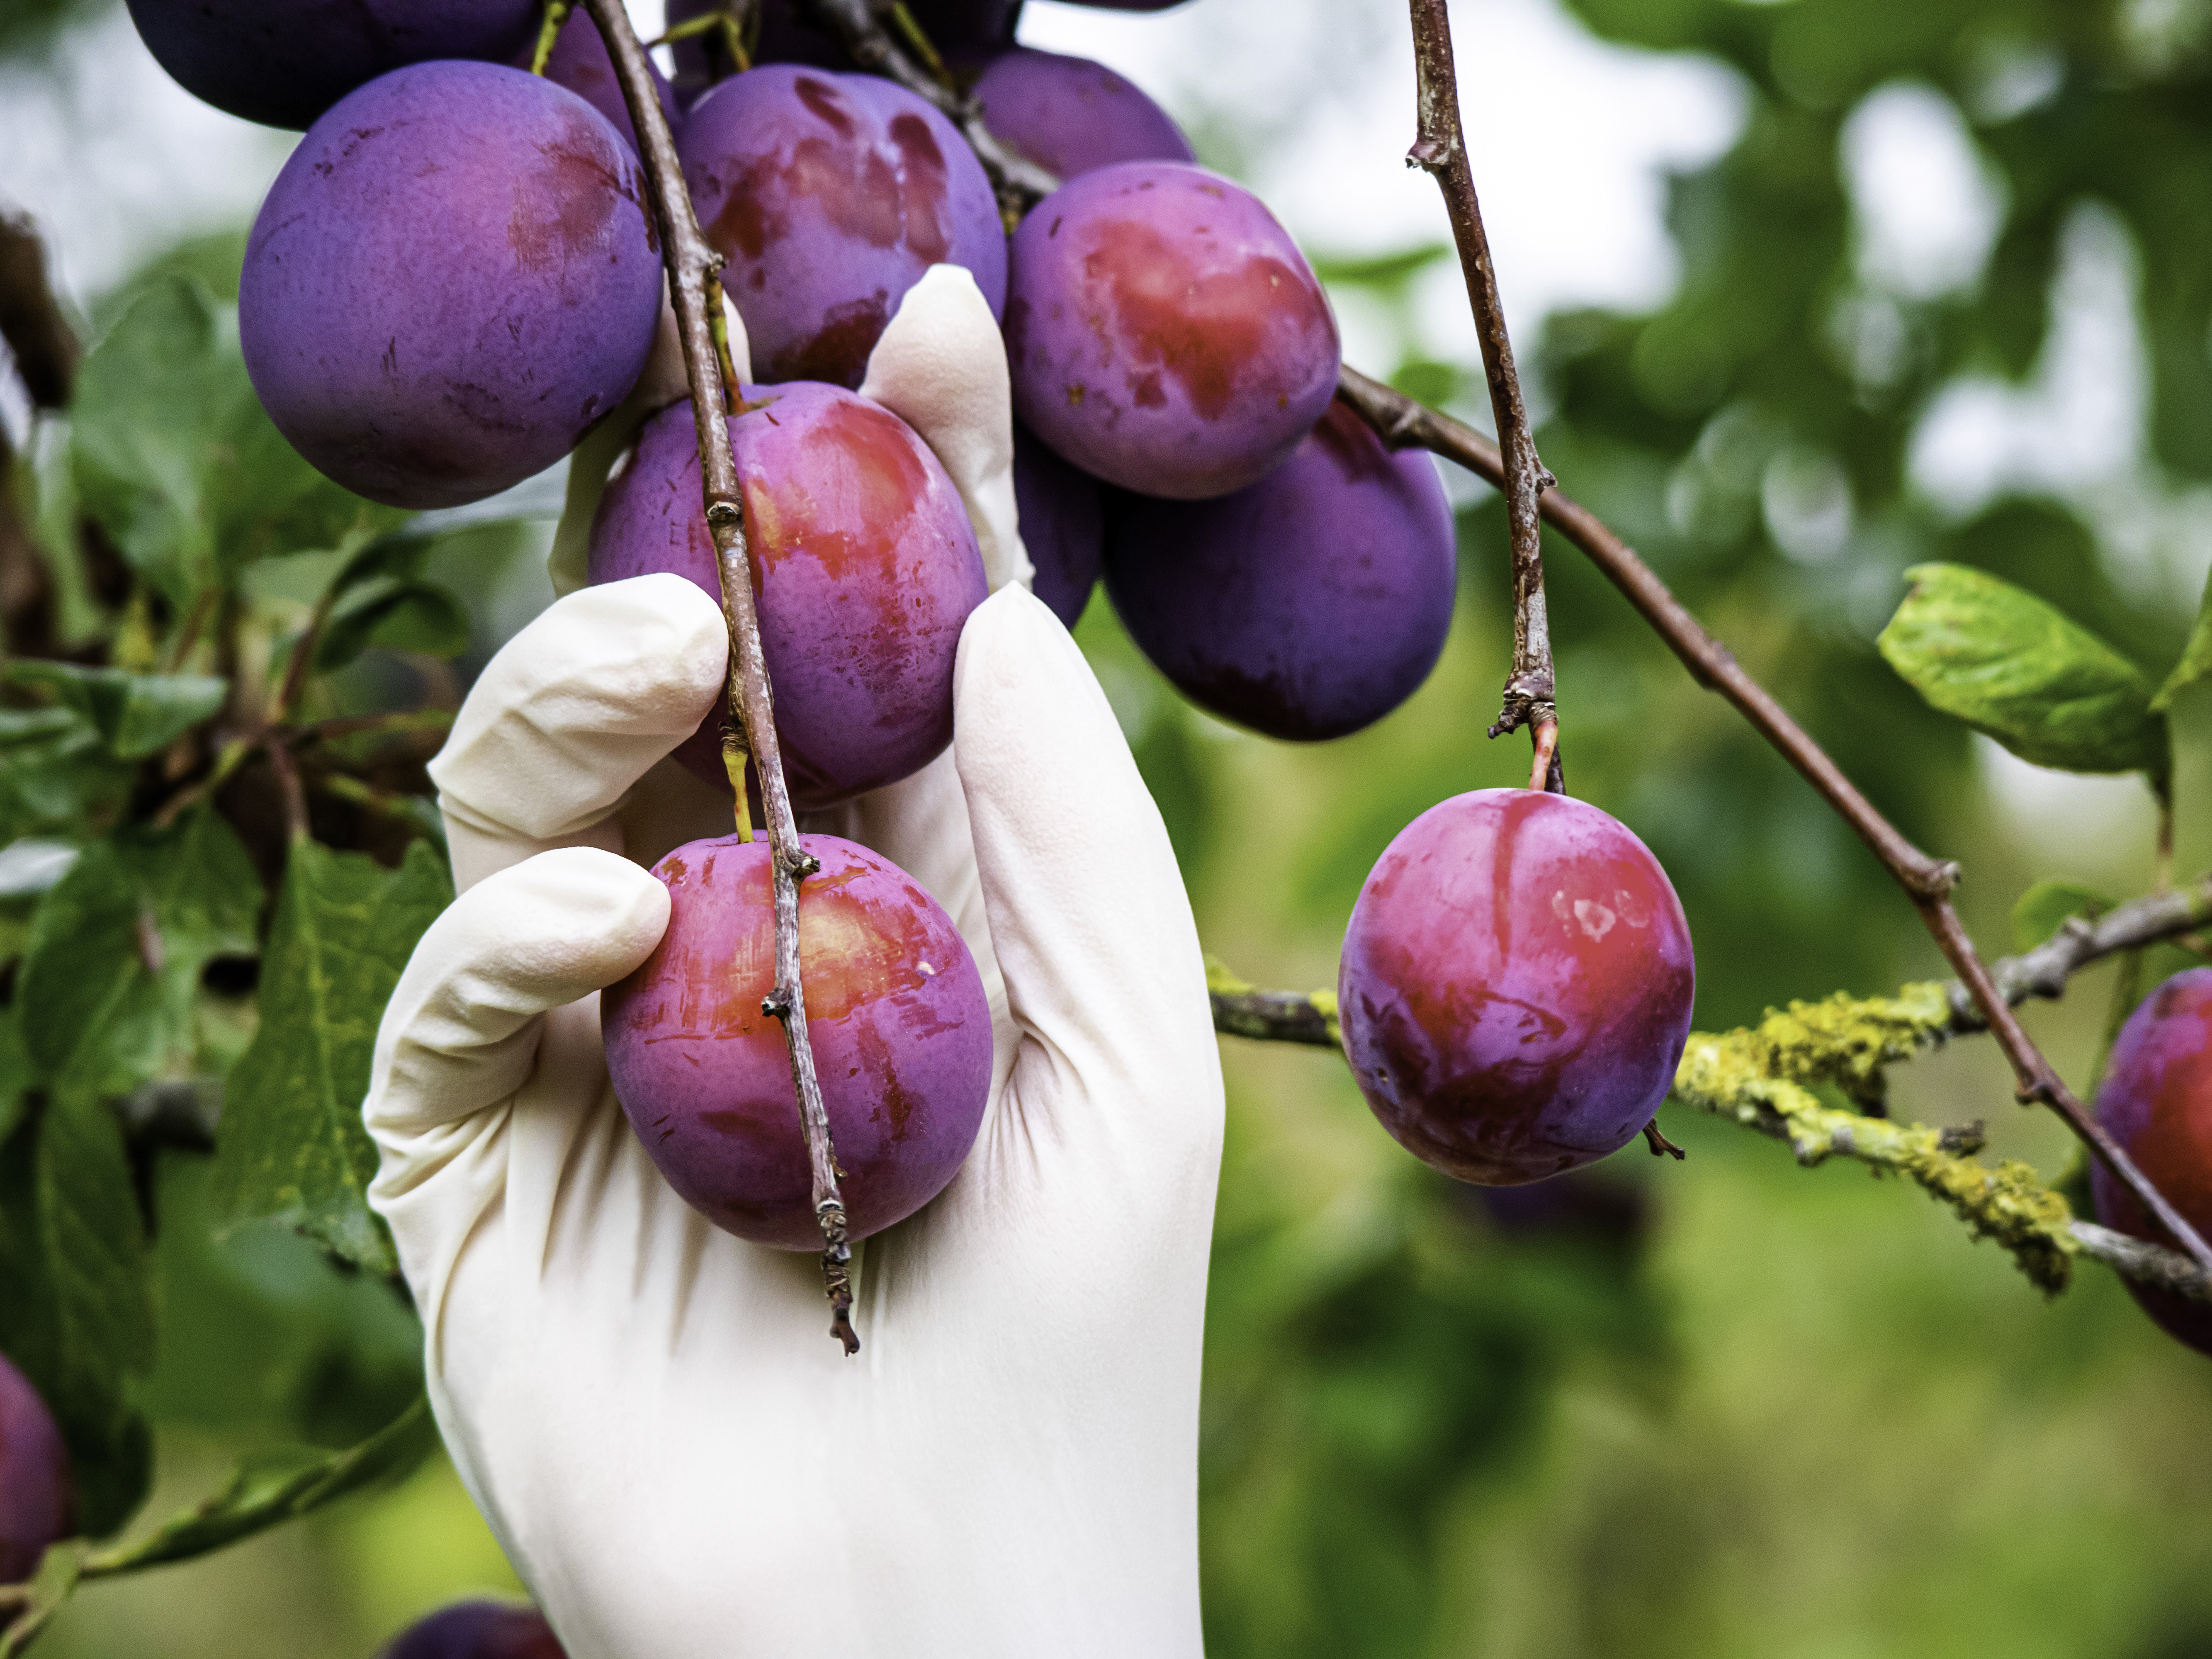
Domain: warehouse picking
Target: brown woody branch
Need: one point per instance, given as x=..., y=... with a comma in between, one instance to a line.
x=693, y=267
x=2043, y=972
x=1440, y=150
x=1928, y=882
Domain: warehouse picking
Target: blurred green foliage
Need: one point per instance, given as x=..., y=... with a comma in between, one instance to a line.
x=1724, y=1408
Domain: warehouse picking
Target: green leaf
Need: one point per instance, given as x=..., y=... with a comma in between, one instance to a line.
x=291, y=1146
x=55, y=772
x=176, y=460
x=2196, y=657
x=404, y=615
x=1997, y=657
x=275, y=1485
x=76, y=1310
x=109, y=986
x=2043, y=906
x=136, y=714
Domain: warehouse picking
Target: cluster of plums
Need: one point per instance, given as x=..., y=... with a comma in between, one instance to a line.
x=457, y=275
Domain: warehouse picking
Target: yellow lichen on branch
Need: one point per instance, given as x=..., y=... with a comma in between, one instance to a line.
x=1762, y=1077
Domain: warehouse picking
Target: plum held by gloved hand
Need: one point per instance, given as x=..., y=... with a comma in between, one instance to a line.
x=677, y=1460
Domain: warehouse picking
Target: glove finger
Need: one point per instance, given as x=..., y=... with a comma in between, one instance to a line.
x=940, y=365
x=1091, y=927
x=569, y=716
x=460, y=1032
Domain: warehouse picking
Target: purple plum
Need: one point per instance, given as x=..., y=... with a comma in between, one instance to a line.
x=37, y=1499
x=479, y=1630
x=452, y=278
x=1063, y=519
x=580, y=61
x=1163, y=332
x=2156, y=1101
x=863, y=562
x=1072, y=116
x=1515, y=985
x=830, y=194
x=1306, y=606
x=283, y=63
x=895, y=1013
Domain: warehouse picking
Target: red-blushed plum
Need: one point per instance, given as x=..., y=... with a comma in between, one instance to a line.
x=863, y=562
x=1515, y=985
x=894, y=1011
x=580, y=61
x=1164, y=333
x=37, y=1499
x=2156, y=1101
x=479, y=1630
x=830, y=194
x=454, y=276
x=284, y=61
x=1306, y=606
x=1071, y=116
x=1063, y=522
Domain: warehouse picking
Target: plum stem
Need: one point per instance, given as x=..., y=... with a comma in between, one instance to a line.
x=1399, y=421
x=1440, y=150
x=693, y=265
x=727, y=23
x=556, y=14
x=1660, y=1146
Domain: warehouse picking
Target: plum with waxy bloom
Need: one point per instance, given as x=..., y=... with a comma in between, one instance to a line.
x=453, y=277
x=830, y=194
x=479, y=1630
x=1164, y=333
x=1515, y=985
x=1306, y=606
x=896, y=1014
x=864, y=567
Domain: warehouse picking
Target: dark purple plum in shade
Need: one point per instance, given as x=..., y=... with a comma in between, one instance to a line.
x=1063, y=523
x=830, y=194
x=894, y=1011
x=1164, y=333
x=479, y=1630
x=1306, y=606
x=863, y=562
x=579, y=63
x=36, y=1496
x=791, y=34
x=284, y=61
x=2156, y=1101
x=1072, y=116
x=454, y=276
x=1515, y=985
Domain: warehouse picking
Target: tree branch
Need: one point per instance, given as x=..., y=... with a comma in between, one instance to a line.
x=2081, y=941
x=693, y=265
x=1440, y=150
x=1928, y=882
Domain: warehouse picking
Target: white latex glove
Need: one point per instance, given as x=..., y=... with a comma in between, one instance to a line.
x=650, y=1412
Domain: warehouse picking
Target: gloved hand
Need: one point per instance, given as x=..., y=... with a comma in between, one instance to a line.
x=677, y=1458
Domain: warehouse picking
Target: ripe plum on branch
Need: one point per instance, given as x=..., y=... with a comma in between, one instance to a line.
x=451, y=279
x=895, y=1010
x=1515, y=985
x=1163, y=332
x=1306, y=606
x=864, y=565
x=37, y=1500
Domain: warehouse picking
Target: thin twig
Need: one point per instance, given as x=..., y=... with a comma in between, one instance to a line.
x=1440, y=150
x=2043, y=972
x=2145, y=1263
x=692, y=265
x=1019, y=183
x=1400, y=421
